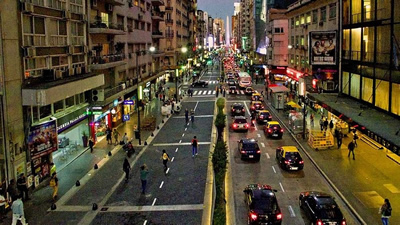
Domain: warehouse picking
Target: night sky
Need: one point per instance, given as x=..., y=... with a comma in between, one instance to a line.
x=217, y=8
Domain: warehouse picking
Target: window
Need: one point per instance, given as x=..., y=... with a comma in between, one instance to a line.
x=297, y=21
x=69, y=102
x=292, y=22
x=104, y=18
x=148, y=26
x=308, y=18
x=59, y=106
x=142, y=25
x=278, y=30
x=136, y=3
x=315, y=16
x=45, y=111
x=323, y=14
x=302, y=40
x=292, y=40
x=78, y=58
x=332, y=11
x=302, y=19
x=136, y=24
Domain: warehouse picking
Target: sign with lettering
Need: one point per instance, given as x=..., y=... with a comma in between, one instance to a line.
x=323, y=48
x=71, y=123
x=129, y=102
x=42, y=139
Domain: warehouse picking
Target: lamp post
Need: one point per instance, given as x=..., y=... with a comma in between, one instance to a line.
x=152, y=49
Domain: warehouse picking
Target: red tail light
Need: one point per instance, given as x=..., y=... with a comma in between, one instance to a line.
x=246, y=125
x=252, y=107
x=258, y=151
x=242, y=151
x=343, y=222
x=287, y=162
x=279, y=216
x=269, y=130
x=301, y=162
x=270, y=117
x=281, y=130
x=235, y=125
x=253, y=216
x=261, y=116
x=319, y=222
x=243, y=110
x=233, y=110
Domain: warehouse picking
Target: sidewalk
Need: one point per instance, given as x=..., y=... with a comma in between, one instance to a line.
x=364, y=182
x=36, y=209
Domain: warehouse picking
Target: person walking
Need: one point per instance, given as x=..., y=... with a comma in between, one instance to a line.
x=192, y=115
x=18, y=211
x=194, y=146
x=351, y=148
x=165, y=158
x=144, y=171
x=331, y=125
x=355, y=137
x=326, y=123
x=312, y=119
x=186, y=116
x=125, y=139
x=21, y=185
x=321, y=123
x=12, y=190
x=116, y=135
x=339, y=139
x=108, y=135
x=54, y=185
x=91, y=144
x=126, y=167
x=386, y=211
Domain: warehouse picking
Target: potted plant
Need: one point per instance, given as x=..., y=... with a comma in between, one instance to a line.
x=85, y=139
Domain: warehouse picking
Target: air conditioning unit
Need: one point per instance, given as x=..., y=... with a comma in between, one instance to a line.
x=94, y=3
x=71, y=72
x=29, y=52
x=27, y=7
x=321, y=23
x=78, y=70
x=58, y=74
x=109, y=7
x=98, y=95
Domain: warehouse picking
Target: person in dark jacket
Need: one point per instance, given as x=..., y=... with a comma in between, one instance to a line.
x=331, y=125
x=22, y=187
x=12, y=190
x=351, y=148
x=326, y=123
x=91, y=144
x=126, y=167
x=339, y=138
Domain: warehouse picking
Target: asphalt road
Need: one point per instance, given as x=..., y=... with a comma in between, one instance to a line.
x=288, y=184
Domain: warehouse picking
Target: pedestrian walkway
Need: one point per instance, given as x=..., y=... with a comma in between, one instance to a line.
x=364, y=182
x=36, y=208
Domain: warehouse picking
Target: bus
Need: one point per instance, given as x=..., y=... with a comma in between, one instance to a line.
x=244, y=80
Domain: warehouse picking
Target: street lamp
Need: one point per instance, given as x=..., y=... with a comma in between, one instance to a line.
x=183, y=50
x=140, y=52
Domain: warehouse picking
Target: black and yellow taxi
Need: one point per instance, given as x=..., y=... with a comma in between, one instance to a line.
x=273, y=129
x=256, y=105
x=263, y=116
x=249, y=91
x=256, y=97
x=289, y=158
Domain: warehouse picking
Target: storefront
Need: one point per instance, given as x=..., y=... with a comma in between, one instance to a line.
x=101, y=120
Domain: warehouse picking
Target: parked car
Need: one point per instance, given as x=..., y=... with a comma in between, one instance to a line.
x=200, y=83
x=320, y=208
x=273, y=129
x=263, y=116
x=237, y=109
x=249, y=91
x=248, y=148
x=262, y=205
x=240, y=123
x=289, y=158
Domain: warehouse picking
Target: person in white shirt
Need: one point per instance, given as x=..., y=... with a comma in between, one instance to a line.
x=2, y=207
x=18, y=211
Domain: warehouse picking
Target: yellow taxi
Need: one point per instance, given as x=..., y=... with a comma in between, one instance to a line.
x=256, y=97
x=273, y=129
x=256, y=105
x=289, y=158
x=263, y=116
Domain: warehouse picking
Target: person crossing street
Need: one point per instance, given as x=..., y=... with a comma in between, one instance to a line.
x=194, y=146
x=351, y=148
x=165, y=158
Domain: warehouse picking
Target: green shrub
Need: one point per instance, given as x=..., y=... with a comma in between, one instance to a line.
x=221, y=104
x=219, y=161
x=220, y=157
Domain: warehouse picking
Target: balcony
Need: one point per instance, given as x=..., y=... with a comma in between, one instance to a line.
x=100, y=27
x=58, y=40
x=34, y=40
x=169, y=8
x=169, y=21
x=107, y=61
x=157, y=16
x=157, y=2
x=157, y=34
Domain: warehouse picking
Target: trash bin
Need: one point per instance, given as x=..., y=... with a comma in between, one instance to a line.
x=137, y=134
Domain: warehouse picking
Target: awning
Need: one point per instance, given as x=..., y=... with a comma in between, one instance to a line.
x=293, y=104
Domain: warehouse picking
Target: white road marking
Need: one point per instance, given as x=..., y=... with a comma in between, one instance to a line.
x=200, y=116
x=146, y=208
x=183, y=135
x=154, y=201
x=183, y=143
x=180, y=141
x=172, y=159
x=209, y=92
x=200, y=92
x=259, y=135
x=263, y=145
x=167, y=171
x=267, y=155
x=292, y=214
x=255, y=127
x=195, y=92
x=247, y=108
x=214, y=92
x=176, y=150
x=145, y=222
x=196, y=106
x=242, y=92
x=162, y=183
x=283, y=190
x=273, y=168
x=186, y=129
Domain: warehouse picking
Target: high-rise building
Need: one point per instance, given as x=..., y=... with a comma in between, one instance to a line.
x=277, y=42
x=201, y=28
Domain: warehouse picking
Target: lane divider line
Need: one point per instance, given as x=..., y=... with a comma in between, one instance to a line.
x=183, y=135
x=197, y=103
x=267, y=155
x=162, y=183
x=291, y=211
x=262, y=144
x=283, y=190
x=154, y=201
x=172, y=159
x=259, y=135
x=186, y=129
x=167, y=171
x=176, y=150
x=180, y=141
x=145, y=222
x=273, y=168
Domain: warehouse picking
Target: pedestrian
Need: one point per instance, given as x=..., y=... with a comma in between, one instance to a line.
x=12, y=190
x=355, y=137
x=2, y=206
x=386, y=211
x=126, y=167
x=108, y=135
x=312, y=119
x=165, y=158
x=186, y=116
x=331, y=125
x=124, y=139
x=116, y=135
x=191, y=93
x=339, y=138
x=53, y=168
x=54, y=185
x=321, y=123
x=91, y=144
x=143, y=177
x=172, y=107
x=262, y=93
x=326, y=123
x=194, y=146
x=21, y=185
x=192, y=115
x=351, y=147
x=18, y=211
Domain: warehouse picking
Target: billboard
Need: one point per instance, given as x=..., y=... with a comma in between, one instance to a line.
x=323, y=48
x=42, y=139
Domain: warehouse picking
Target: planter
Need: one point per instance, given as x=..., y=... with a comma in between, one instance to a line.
x=85, y=141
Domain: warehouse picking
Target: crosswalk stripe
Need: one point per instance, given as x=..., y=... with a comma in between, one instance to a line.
x=214, y=92
x=209, y=92
x=195, y=93
x=242, y=92
x=200, y=92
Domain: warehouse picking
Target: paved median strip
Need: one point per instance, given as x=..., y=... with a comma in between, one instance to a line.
x=139, y=208
x=180, y=143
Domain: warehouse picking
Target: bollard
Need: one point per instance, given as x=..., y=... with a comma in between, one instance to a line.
x=94, y=206
x=53, y=206
x=77, y=183
x=158, y=127
x=96, y=166
x=152, y=134
x=109, y=153
x=145, y=142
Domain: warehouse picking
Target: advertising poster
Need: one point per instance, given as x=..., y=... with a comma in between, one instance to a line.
x=323, y=48
x=42, y=139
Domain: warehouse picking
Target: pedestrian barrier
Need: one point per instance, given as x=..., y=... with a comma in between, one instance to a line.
x=320, y=140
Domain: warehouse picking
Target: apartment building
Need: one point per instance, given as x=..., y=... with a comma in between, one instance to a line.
x=247, y=24
x=313, y=35
x=201, y=33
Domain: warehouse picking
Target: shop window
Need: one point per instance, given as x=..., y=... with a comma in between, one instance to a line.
x=315, y=16
x=323, y=14
x=395, y=98
x=383, y=44
x=45, y=111
x=382, y=94
x=332, y=11
x=35, y=114
x=355, y=85
x=367, y=89
x=368, y=44
x=69, y=102
x=345, y=82
x=356, y=11
x=356, y=44
x=59, y=106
